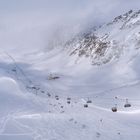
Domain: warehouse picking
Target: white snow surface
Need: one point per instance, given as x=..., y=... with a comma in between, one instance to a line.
x=30, y=82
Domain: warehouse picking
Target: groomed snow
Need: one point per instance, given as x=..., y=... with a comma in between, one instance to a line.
x=35, y=85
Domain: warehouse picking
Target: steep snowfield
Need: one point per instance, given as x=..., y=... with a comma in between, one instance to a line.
x=36, y=87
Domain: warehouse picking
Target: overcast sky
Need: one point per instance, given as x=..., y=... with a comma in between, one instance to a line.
x=68, y=7
x=27, y=23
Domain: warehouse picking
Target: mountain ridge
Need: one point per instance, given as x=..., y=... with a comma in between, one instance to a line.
x=107, y=43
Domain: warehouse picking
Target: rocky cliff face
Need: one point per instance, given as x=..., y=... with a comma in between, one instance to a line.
x=109, y=41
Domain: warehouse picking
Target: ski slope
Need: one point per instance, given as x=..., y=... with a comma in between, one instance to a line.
x=36, y=85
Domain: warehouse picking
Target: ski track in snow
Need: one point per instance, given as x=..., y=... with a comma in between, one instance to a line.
x=36, y=107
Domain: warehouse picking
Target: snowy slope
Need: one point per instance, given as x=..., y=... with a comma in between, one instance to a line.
x=109, y=41
x=43, y=93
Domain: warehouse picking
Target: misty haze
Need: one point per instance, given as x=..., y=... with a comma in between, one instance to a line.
x=69, y=70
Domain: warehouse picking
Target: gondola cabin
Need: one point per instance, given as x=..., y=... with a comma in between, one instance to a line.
x=68, y=102
x=68, y=98
x=89, y=102
x=114, y=109
x=85, y=105
x=127, y=104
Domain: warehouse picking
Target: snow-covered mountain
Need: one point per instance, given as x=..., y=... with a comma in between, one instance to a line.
x=68, y=92
x=109, y=41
